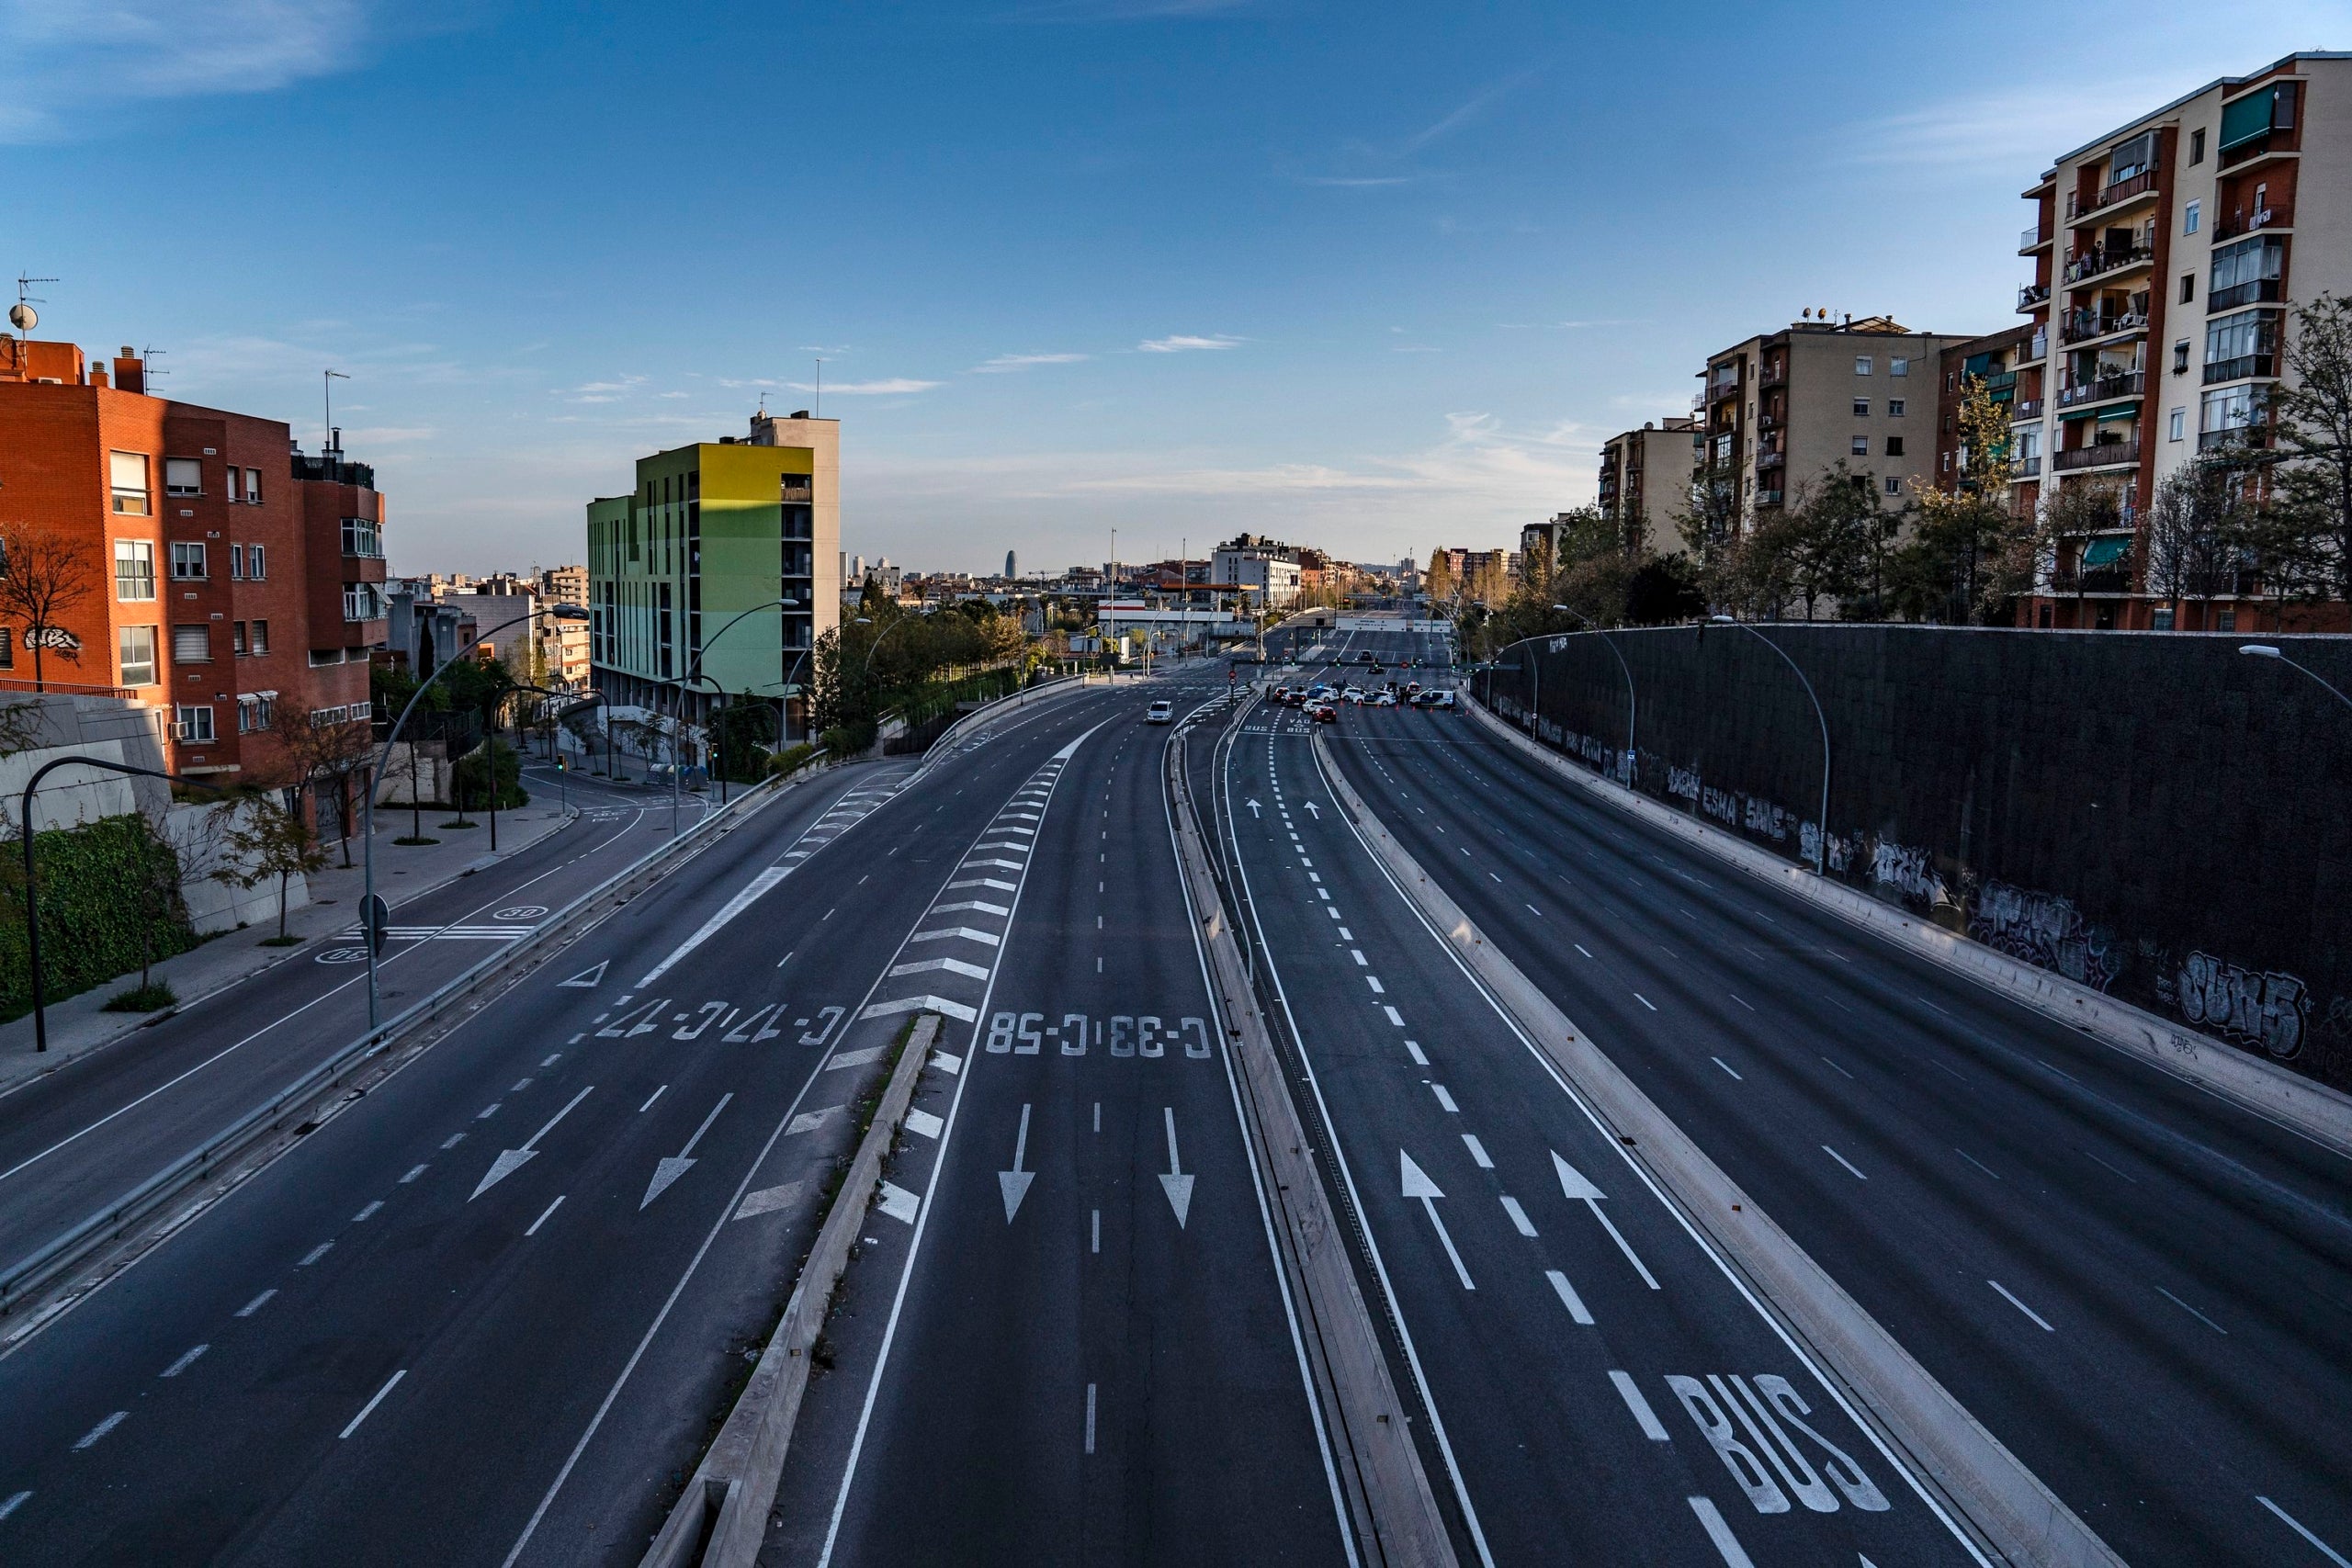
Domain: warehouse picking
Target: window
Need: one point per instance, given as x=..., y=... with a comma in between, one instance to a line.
x=1861, y=446
x=259, y=643
x=183, y=475
x=2180, y=357
x=127, y=473
x=2229, y=620
x=2132, y=158
x=1894, y=486
x=2231, y=408
x=236, y=561
x=134, y=570
x=2187, y=288
x=2247, y=273
x=2176, y=425
x=192, y=644
x=237, y=638
x=196, y=723
x=7, y=647
x=2242, y=345
x=322, y=657
x=2196, y=148
x=2160, y=620
x=1898, y=365
x=136, y=648
x=361, y=537
x=2192, y=217
x=1862, y=365
x=258, y=711
x=1895, y=408
x=188, y=559
x=1861, y=408
x=253, y=485
x=1895, y=446
x=256, y=567
x=237, y=484
x=362, y=602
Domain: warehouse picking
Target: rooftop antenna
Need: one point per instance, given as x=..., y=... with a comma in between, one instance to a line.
x=819, y=409
x=21, y=315
x=328, y=381
x=146, y=356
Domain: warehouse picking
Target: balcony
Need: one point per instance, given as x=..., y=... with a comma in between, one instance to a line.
x=2103, y=455
x=2025, y=408
x=2081, y=326
x=2036, y=349
x=1775, y=374
x=2238, y=221
x=2237, y=438
x=2032, y=240
x=2101, y=388
x=2025, y=467
x=2100, y=260
x=2244, y=365
x=2253, y=291
x=2115, y=195
x=1768, y=422
x=1768, y=497
x=1773, y=459
x=2033, y=296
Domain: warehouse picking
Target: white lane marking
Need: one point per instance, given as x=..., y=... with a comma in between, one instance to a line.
x=1568, y=1297
x=1631, y=1392
x=767, y=1199
x=509, y=1161
x=1719, y=1533
x=1517, y=1215
x=1477, y=1152
x=187, y=1360
x=1581, y=948
x=1419, y=1185
x=1841, y=1160
x=520, y=1085
x=710, y=928
x=1444, y=1098
x=1838, y=1068
x=1095, y=1230
x=1414, y=1051
x=937, y=965
x=12, y=1504
x=1377, y=989
x=1725, y=1066
x=1357, y=954
x=1735, y=997
x=2190, y=1311
x=369, y=1408
x=957, y=1010
x=1977, y=1162
x=2095, y=1159
x=651, y=1097
x=2289, y=1519
x=1000, y=887
x=965, y=932
x=369, y=1212
x=315, y=1254
x=2021, y=1306
x=1645, y=1001
x=256, y=1304
x=970, y=904
x=101, y=1429
x=1089, y=1417
x=923, y=1125
x=1580, y=1190
x=947, y=1063
x=1393, y=1015
x=855, y=1058
x=899, y=1203
x=453, y=1140
x=551, y=1061
x=543, y=1216
x=489, y=1110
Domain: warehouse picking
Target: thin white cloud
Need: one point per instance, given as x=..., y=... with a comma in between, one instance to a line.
x=65, y=64
x=1368, y=182
x=1008, y=362
x=894, y=387
x=1468, y=110
x=1181, y=344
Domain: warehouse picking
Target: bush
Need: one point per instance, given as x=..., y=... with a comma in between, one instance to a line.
x=107, y=889
x=471, y=775
x=790, y=761
x=151, y=997
x=849, y=739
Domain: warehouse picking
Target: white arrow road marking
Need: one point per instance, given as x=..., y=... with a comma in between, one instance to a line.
x=509, y=1161
x=965, y=932
x=1014, y=1183
x=1313, y=807
x=587, y=977
x=671, y=1167
x=1419, y=1185
x=899, y=1203
x=1255, y=810
x=936, y=965
x=1176, y=1184
x=1581, y=1191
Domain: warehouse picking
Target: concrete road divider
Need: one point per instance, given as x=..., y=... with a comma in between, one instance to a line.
x=2002, y=1501
x=721, y=1520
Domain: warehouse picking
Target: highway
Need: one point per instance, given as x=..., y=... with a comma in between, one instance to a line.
x=2137, y=1287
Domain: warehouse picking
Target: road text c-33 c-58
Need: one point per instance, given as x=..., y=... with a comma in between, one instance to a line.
x=1122, y=1035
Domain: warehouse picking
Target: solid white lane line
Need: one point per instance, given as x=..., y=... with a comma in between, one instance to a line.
x=2021, y=1306
x=2287, y=1519
x=650, y=1098
x=1517, y=1215
x=1445, y=1100
x=1568, y=1298
x=1719, y=1533
x=369, y=1408
x=101, y=1429
x=2095, y=1159
x=255, y=1305
x=187, y=1360
x=1644, y=1416
x=1725, y=1066
x=1479, y=1154
x=543, y=1216
x=1841, y=1160
x=2190, y=1311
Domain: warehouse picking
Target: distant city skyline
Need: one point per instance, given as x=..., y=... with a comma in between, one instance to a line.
x=1216, y=266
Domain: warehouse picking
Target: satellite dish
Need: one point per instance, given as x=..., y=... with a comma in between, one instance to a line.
x=23, y=317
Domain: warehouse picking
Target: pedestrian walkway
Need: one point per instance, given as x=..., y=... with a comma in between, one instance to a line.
x=78, y=1025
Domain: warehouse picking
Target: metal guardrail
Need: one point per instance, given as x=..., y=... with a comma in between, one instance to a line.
x=62, y=1252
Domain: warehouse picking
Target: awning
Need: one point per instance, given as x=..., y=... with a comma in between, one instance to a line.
x=2122, y=410
x=2105, y=551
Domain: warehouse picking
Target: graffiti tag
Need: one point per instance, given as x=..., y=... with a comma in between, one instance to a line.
x=2268, y=1009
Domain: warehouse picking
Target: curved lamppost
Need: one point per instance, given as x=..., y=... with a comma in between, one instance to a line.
x=694, y=673
x=1534, y=672
x=32, y=891
x=1821, y=853
x=2271, y=651
x=369, y=934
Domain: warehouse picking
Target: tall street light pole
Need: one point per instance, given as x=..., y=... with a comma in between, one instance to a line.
x=2269, y=650
x=693, y=673
x=1821, y=853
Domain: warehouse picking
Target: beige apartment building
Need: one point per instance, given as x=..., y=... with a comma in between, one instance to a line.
x=1779, y=410
x=1645, y=482
x=2168, y=256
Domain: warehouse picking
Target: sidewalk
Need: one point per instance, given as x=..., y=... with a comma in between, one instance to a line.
x=77, y=1026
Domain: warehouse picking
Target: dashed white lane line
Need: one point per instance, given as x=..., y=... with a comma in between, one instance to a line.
x=453, y=1140
x=2284, y=1518
x=1725, y=1066
x=1581, y=948
x=1478, y=1155
x=1718, y=1531
x=369, y=1212
x=315, y=1254
x=1377, y=989
x=369, y=1408
x=101, y=1429
x=1445, y=1100
x=1735, y=997
x=1644, y=1416
x=1519, y=1219
x=16, y=1501
x=1841, y=1160
x=256, y=1304
x=414, y=1171
x=2190, y=1311
x=188, y=1359
x=2021, y=1306
x=1413, y=1050
x=488, y=1111
x=1645, y=1001
x=650, y=1098
x=1568, y=1297
x=550, y=1209
x=1089, y=1417
x=1394, y=1016
x=1834, y=1067
x=551, y=1061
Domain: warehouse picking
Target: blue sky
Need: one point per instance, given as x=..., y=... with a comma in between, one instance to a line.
x=1371, y=278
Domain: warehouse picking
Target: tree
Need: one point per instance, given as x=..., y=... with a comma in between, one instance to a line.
x=2071, y=512
x=44, y=578
x=1972, y=553
x=2197, y=533
x=266, y=838
x=1709, y=522
x=1663, y=590
x=2308, y=537
x=315, y=754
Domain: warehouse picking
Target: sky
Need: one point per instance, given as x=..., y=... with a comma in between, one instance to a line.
x=1372, y=277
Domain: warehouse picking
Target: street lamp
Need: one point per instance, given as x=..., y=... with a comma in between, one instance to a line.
x=694, y=673
x=2269, y=650
x=368, y=924
x=1821, y=854
x=32, y=892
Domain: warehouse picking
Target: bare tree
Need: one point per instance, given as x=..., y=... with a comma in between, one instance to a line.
x=2197, y=533
x=319, y=755
x=2309, y=532
x=44, y=577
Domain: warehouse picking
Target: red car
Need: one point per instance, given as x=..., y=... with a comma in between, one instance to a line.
x=1324, y=712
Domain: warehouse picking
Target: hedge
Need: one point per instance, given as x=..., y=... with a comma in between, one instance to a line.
x=98, y=896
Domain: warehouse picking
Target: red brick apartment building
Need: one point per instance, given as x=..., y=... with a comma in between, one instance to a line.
x=230, y=576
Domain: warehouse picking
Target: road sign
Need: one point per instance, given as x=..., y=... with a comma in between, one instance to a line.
x=375, y=922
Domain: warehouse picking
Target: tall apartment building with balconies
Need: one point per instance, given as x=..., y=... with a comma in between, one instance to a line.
x=1779, y=410
x=1645, y=482
x=2011, y=364
x=2168, y=256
